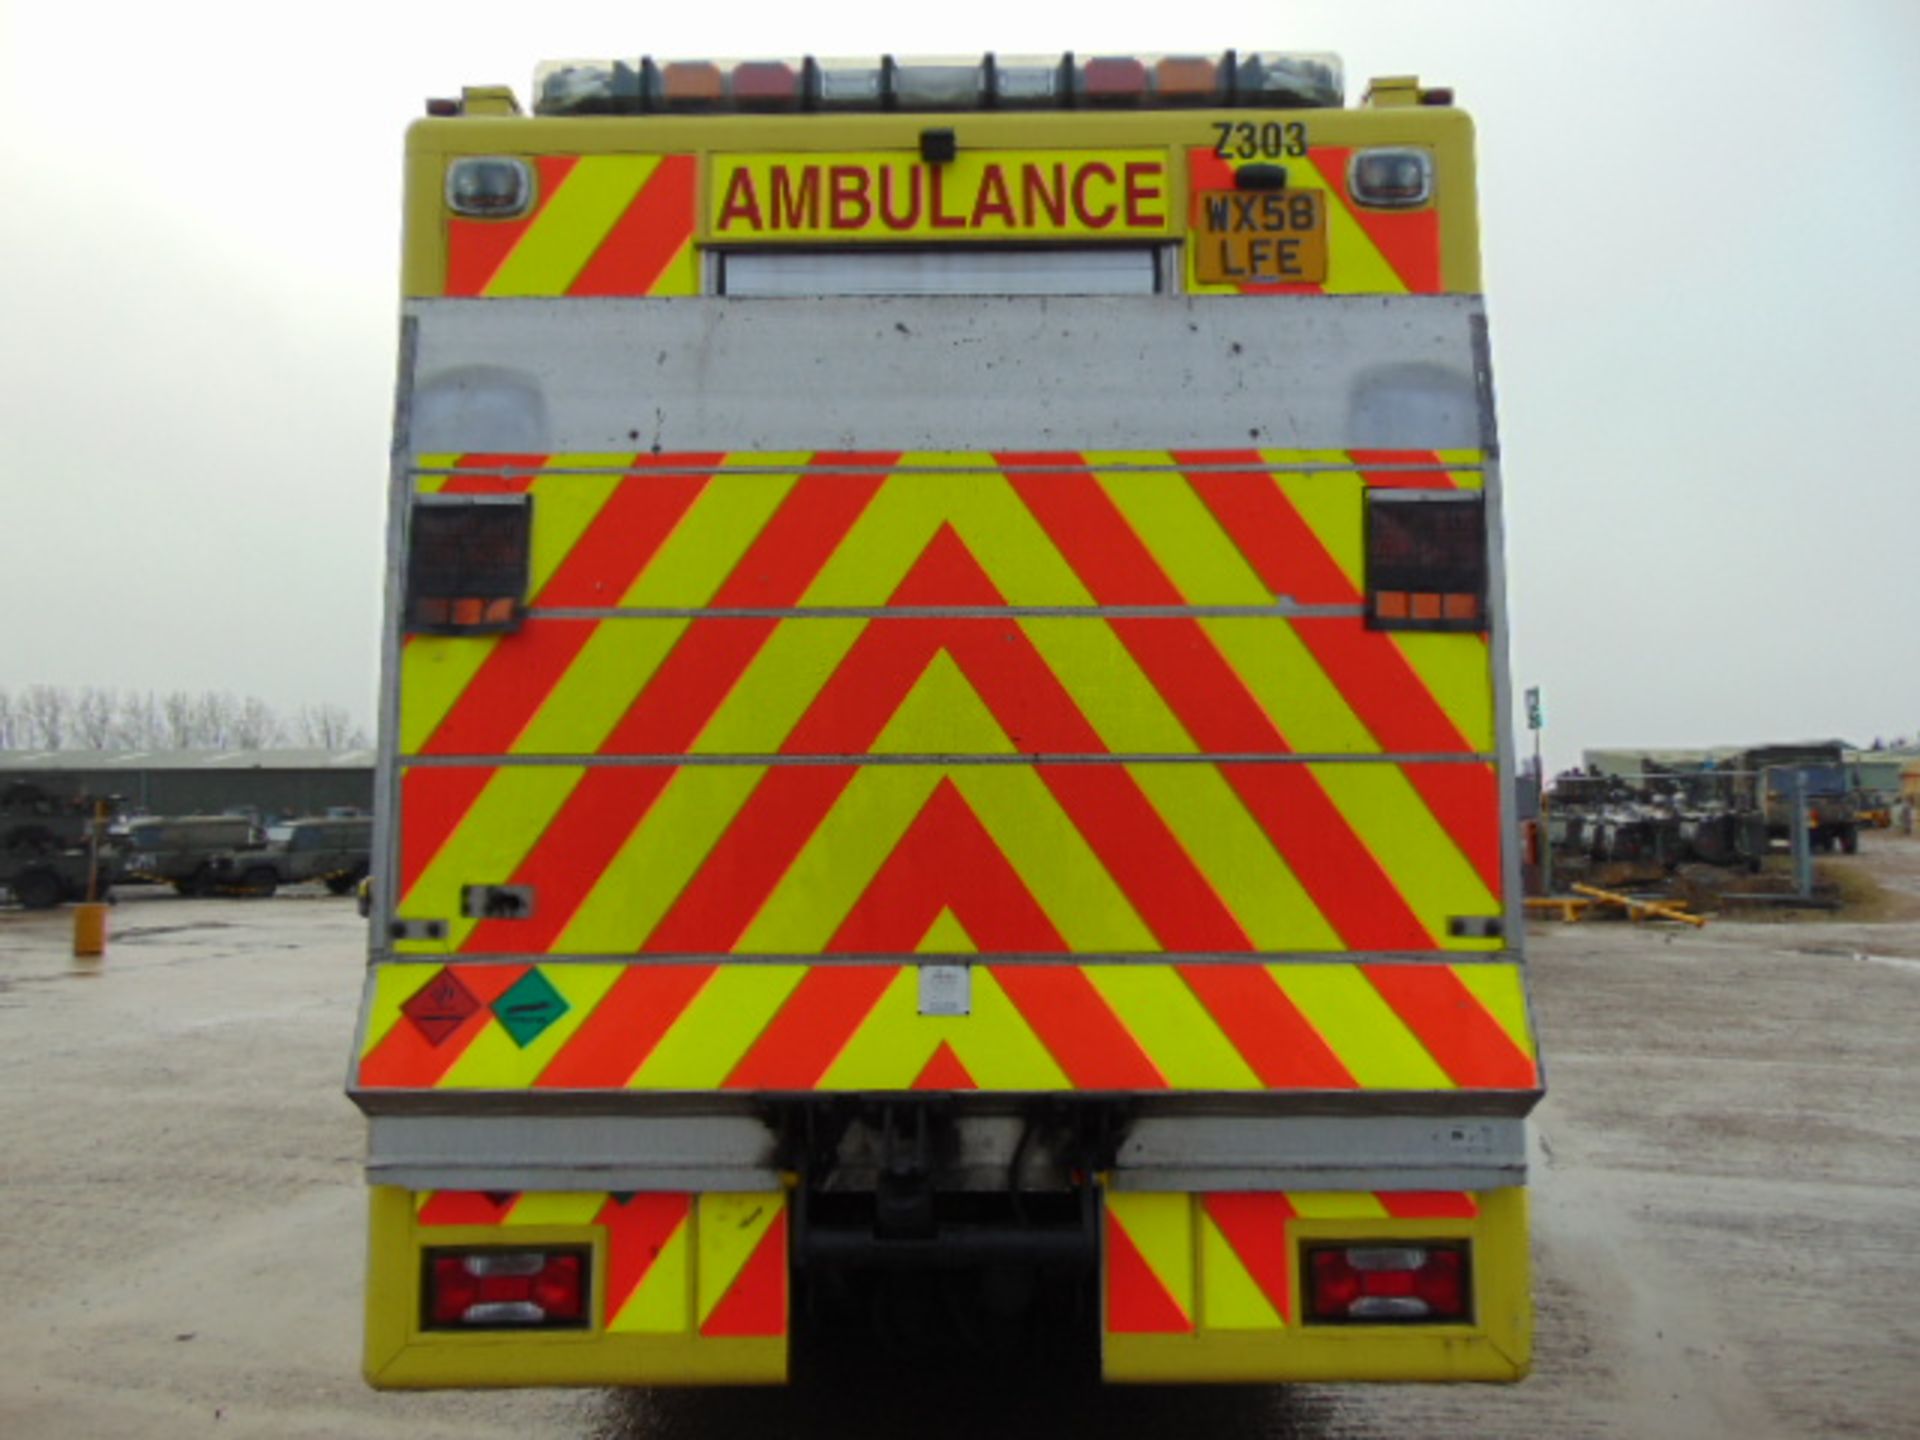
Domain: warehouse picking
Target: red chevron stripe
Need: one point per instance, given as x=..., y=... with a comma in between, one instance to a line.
x=1267, y=1028
x=496, y=484
x=1083, y=1034
x=405, y=1059
x=1465, y=799
x=626, y=534
x=514, y=681
x=647, y=235
x=638, y=1229
x=1255, y=1225
x=433, y=802
x=702, y=669
x=947, y=860
x=572, y=853
x=1435, y=478
x=1464, y=1040
x=944, y=1072
x=1145, y=860
x=1385, y=691
x=1408, y=240
x=756, y=1304
x=477, y=248
x=468, y=1207
x=1256, y=514
x=1428, y=1204
x=1137, y=1300
x=737, y=876
x=813, y=1026
x=631, y=1019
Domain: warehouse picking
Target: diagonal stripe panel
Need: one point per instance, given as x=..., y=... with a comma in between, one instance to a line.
x=571, y=225
x=812, y=1027
x=1456, y=1029
x=638, y=1009
x=641, y=244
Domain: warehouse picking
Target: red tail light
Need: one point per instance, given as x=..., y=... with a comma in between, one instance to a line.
x=506, y=1289
x=1388, y=1284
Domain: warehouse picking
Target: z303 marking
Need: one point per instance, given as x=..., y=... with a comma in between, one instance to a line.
x=1250, y=140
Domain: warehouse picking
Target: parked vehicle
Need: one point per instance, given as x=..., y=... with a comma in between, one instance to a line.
x=189, y=852
x=332, y=851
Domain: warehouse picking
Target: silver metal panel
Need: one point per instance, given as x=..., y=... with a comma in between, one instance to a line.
x=1319, y=1152
x=600, y=375
x=1105, y=270
x=584, y=1152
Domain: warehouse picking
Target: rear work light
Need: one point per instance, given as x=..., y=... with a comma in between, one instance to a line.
x=489, y=187
x=1388, y=1284
x=1391, y=179
x=505, y=1289
x=1426, y=560
x=467, y=563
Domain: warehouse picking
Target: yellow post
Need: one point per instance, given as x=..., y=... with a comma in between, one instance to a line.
x=90, y=916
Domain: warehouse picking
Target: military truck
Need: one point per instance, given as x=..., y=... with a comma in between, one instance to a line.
x=43, y=846
x=188, y=852
x=1832, y=816
x=333, y=850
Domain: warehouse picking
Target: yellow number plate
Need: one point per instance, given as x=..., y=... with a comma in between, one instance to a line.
x=1260, y=237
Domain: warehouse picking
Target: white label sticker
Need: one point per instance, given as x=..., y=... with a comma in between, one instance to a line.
x=946, y=990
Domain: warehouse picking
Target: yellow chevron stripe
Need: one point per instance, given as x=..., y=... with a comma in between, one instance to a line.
x=726, y=1229
x=895, y=1042
x=564, y=505
x=1173, y=1027
x=1457, y=671
x=1500, y=990
x=662, y=1303
x=769, y=698
x=946, y=936
x=435, y=671
x=1160, y=1224
x=1230, y=1298
x=1356, y=264
x=840, y=859
x=908, y=510
x=1336, y=1205
x=681, y=275
x=718, y=1027
x=716, y=530
x=486, y=847
x=557, y=1207
x=654, y=865
x=572, y=225
x=385, y=995
x=1375, y=1045
x=495, y=1061
x=942, y=715
x=1417, y=854
x=601, y=684
x=1108, y=686
x=1329, y=504
x=1172, y=522
x=1059, y=868
x=1306, y=707
x=1236, y=857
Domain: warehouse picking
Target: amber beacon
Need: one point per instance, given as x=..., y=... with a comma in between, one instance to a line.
x=944, y=752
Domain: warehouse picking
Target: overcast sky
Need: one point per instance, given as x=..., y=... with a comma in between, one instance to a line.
x=1700, y=223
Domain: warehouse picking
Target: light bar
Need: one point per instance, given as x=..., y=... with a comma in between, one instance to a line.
x=1263, y=78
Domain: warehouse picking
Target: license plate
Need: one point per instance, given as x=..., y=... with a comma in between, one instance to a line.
x=1260, y=237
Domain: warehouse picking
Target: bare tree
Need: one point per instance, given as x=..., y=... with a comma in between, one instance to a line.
x=9, y=721
x=178, y=724
x=327, y=727
x=139, y=725
x=93, y=719
x=46, y=709
x=255, y=725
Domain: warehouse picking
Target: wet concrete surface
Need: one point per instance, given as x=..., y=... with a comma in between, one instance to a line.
x=1726, y=1192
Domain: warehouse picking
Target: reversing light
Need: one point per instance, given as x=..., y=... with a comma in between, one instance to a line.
x=491, y=187
x=1387, y=1284
x=1391, y=179
x=506, y=1289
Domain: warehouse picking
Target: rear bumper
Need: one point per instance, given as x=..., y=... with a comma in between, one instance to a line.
x=697, y=1289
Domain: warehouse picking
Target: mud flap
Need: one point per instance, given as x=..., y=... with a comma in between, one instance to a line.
x=1209, y=1287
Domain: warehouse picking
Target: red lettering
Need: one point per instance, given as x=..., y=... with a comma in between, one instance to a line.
x=1087, y=215
x=939, y=218
x=741, y=202
x=891, y=217
x=1034, y=192
x=1142, y=187
x=796, y=207
x=993, y=200
x=850, y=207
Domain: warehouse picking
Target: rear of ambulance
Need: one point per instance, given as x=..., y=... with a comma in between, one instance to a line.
x=944, y=757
